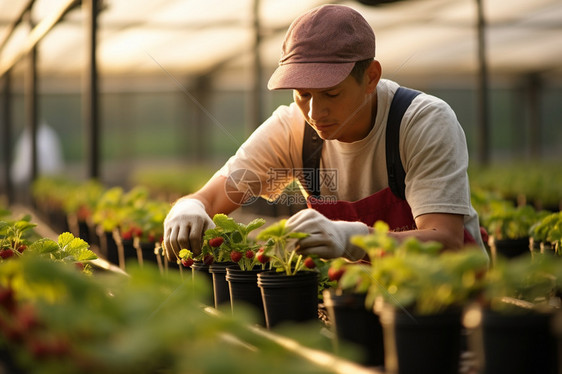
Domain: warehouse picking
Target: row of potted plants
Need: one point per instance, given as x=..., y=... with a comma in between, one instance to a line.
x=418, y=305
x=264, y=271
x=536, y=184
x=60, y=314
x=514, y=229
x=120, y=225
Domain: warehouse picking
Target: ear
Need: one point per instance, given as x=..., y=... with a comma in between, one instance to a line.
x=373, y=75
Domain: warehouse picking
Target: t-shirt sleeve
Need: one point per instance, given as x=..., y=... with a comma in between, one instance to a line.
x=435, y=158
x=270, y=154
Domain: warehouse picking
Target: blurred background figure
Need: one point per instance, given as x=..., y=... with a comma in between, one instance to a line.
x=50, y=160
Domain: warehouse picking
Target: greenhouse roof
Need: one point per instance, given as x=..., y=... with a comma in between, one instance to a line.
x=193, y=37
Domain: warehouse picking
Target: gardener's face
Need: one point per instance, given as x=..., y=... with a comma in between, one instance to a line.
x=342, y=112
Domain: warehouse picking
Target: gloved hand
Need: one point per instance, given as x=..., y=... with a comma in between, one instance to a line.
x=327, y=239
x=185, y=226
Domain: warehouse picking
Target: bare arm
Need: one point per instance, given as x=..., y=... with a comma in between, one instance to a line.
x=213, y=195
x=447, y=229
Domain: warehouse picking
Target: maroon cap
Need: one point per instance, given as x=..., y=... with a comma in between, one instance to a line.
x=321, y=47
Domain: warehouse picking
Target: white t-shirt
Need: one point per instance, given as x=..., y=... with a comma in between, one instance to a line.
x=433, y=151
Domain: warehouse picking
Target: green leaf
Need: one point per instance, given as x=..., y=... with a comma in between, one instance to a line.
x=23, y=225
x=297, y=235
x=64, y=239
x=44, y=246
x=225, y=222
x=84, y=255
x=255, y=224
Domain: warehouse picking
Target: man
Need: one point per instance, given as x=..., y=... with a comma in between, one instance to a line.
x=328, y=61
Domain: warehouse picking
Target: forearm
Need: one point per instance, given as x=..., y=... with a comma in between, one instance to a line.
x=214, y=197
x=448, y=240
x=447, y=229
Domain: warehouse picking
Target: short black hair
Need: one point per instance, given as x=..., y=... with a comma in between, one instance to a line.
x=359, y=69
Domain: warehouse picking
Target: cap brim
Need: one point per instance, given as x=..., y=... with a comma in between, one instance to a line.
x=309, y=75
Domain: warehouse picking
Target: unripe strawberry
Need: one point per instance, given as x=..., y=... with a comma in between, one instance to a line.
x=249, y=253
x=216, y=242
x=262, y=257
x=235, y=256
x=335, y=274
x=187, y=262
x=309, y=263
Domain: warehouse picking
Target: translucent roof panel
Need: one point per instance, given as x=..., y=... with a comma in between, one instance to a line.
x=194, y=37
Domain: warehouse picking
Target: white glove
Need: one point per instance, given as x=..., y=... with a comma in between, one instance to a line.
x=327, y=239
x=185, y=226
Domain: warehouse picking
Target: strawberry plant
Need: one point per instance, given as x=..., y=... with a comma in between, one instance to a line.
x=67, y=249
x=230, y=241
x=412, y=274
x=281, y=247
x=548, y=230
x=16, y=236
x=506, y=221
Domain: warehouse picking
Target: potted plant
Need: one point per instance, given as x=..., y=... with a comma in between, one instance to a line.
x=348, y=304
x=508, y=227
x=516, y=316
x=106, y=219
x=546, y=234
x=79, y=205
x=423, y=292
x=49, y=194
x=225, y=244
x=290, y=289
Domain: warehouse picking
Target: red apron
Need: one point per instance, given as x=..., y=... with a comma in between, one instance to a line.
x=381, y=206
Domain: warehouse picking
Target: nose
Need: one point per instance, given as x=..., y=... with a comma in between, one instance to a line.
x=317, y=109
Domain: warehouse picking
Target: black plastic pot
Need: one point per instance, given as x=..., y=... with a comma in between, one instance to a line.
x=289, y=298
x=129, y=249
x=422, y=344
x=353, y=323
x=108, y=247
x=510, y=248
x=244, y=290
x=518, y=343
x=220, y=285
x=201, y=270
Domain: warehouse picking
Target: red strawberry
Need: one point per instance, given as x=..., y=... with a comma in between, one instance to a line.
x=335, y=274
x=249, y=253
x=151, y=238
x=127, y=235
x=27, y=317
x=187, y=262
x=216, y=242
x=136, y=231
x=21, y=248
x=83, y=213
x=6, y=253
x=235, y=256
x=262, y=257
x=208, y=259
x=309, y=263
x=7, y=299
